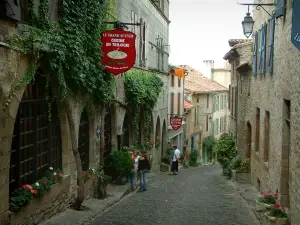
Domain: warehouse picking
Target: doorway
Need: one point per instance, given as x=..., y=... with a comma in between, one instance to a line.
x=248, y=140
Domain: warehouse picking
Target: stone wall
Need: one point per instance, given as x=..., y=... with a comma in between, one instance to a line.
x=278, y=172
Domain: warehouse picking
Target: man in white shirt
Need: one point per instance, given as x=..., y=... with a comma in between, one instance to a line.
x=175, y=160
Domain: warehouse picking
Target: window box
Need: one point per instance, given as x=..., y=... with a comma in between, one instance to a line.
x=42, y=202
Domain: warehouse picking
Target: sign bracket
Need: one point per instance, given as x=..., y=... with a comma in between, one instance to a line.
x=120, y=25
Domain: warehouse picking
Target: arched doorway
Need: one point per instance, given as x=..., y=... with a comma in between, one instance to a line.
x=158, y=136
x=107, y=131
x=248, y=140
x=36, y=143
x=124, y=137
x=164, y=140
x=83, y=140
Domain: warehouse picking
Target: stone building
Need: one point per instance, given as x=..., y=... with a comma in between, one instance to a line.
x=176, y=108
x=267, y=83
x=25, y=126
x=203, y=111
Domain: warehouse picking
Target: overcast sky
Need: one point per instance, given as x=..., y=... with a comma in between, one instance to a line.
x=200, y=30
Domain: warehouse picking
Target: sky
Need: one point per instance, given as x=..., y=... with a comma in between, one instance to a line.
x=200, y=30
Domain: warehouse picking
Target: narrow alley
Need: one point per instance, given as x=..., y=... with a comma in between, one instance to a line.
x=195, y=196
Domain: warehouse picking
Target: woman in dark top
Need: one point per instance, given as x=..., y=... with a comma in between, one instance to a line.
x=143, y=168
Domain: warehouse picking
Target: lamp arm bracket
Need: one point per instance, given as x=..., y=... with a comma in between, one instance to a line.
x=258, y=6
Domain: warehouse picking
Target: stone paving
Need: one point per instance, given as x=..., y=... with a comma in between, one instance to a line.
x=194, y=196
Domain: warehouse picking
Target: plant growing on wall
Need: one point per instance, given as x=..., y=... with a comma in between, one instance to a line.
x=69, y=53
x=142, y=89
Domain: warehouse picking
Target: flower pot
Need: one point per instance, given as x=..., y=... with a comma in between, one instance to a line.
x=270, y=220
x=262, y=207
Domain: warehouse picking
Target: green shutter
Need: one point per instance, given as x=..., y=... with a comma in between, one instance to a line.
x=264, y=49
x=271, y=44
x=280, y=8
x=260, y=50
x=255, y=45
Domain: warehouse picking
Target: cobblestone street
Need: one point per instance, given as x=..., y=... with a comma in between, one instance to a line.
x=194, y=196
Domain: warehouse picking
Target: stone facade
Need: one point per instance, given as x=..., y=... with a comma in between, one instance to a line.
x=269, y=124
x=13, y=66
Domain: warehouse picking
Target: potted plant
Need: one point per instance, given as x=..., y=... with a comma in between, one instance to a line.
x=276, y=216
x=265, y=201
x=119, y=165
x=102, y=181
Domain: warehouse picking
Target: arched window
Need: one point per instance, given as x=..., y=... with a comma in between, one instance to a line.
x=36, y=143
x=83, y=141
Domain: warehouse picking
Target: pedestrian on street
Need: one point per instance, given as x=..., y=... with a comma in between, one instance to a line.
x=136, y=159
x=132, y=174
x=175, y=160
x=143, y=168
x=171, y=160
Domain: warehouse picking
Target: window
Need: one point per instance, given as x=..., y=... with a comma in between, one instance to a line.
x=229, y=97
x=36, y=141
x=221, y=125
x=142, y=43
x=236, y=102
x=207, y=118
x=255, y=46
x=262, y=49
x=172, y=80
x=134, y=29
x=257, y=134
x=179, y=104
x=222, y=102
x=218, y=103
x=266, y=136
x=217, y=126
x=271, y=44
x=83, y=140
x=225, y=101
x=172, y=104
x=179, y=82
x=207, y=101
x=225, y=124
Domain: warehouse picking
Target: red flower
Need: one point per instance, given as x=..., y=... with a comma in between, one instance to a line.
x=60, y=175
x=34, y=192
x=276, y=196
x=83, y=173
x=44, y=181
x=269, y=191
x=277, y=206
x=261, y=193
x=265, y=196
x=27, y=186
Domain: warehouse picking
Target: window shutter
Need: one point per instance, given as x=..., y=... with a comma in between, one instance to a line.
x=236, y=103
x=172, y=104
x=264, y=50
x=280, y=8
x=172, y=80
x=255, y=44
x=178, y=104
x=229, y=94
x=260, y=50
x=271, y=44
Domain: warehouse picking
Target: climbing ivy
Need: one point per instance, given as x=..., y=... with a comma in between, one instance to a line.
x=68, y=51
x=142, y=89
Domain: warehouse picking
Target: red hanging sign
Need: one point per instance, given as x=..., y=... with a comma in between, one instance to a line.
x=119, y=53
x=175, y=122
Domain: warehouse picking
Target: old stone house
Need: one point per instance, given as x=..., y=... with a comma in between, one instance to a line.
x=30, y=143
x=176, y=108
x=204, y=110
x=267, y=83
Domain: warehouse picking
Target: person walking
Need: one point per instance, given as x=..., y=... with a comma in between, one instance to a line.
x=175, y=160
x=143, y=168
x=132, y=174
x=171, y=160
x=136, y=159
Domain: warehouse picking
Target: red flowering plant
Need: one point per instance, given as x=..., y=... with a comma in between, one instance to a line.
x=22, y=196
x=88, y=174
x=278, y=211
x=157, y=141
x=267, y=198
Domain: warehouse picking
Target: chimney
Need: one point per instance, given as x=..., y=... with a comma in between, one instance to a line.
x=210, y=65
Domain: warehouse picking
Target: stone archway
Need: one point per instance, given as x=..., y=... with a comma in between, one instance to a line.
x=158, y=135
x=164, y=139
x=248, y=140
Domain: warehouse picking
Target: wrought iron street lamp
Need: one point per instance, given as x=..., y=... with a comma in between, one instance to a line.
x=248, y=23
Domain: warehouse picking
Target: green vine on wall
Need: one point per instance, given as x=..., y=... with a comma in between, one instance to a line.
x=68, y=51
x=142, y=89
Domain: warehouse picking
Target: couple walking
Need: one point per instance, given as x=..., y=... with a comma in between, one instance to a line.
x=141, y=167
x=175, y=155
